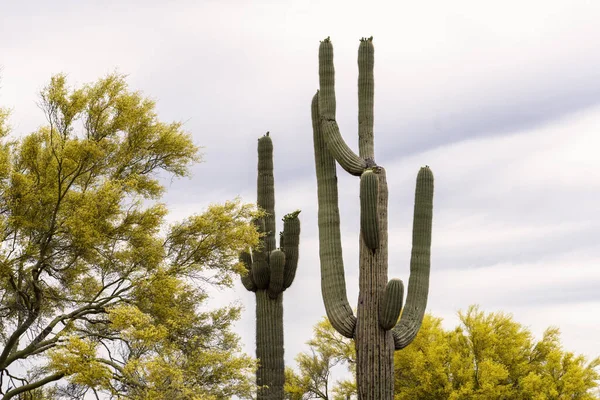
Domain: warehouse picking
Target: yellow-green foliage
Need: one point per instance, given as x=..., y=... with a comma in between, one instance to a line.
x=168, y=356
x=328, y=348
x=488, y=356
x=192, y=243
x=93, y=284
x=136, y=327
x=4, y=147
x=3, y=122
x=76, y=359
x=421, y=370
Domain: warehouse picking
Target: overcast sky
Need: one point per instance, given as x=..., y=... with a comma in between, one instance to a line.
x=501, y=99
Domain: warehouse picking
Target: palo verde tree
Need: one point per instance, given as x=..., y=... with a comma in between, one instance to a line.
x=376, y=329
x=95, y=289
x=269, y=272
x=487, y=356
x=328, y=350
x=491, y=356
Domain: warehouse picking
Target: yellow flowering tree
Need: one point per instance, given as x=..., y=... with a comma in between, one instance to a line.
x=96, y=291
x=328, y=350
x=488, y=356
x=491, y=356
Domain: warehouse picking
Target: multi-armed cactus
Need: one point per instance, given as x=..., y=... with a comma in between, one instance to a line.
x=270, y=271
x=376, y=329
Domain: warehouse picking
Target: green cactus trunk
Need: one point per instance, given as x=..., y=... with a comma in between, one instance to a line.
x=270, y=375
x=376, y=329
x=269, y=272
x=375, y=345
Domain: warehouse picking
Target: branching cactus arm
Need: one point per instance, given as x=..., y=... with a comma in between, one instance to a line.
x=391, y=304
x=290, y=240
x=276, y=265
x=247, y=279
x=326, y=106
x=333, y=281
x=369, y=214
x=366, y=94
x=420, y=262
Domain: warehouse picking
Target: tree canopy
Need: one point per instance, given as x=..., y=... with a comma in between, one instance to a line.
x=95, y=288
x=328, y=349
x=488, y=356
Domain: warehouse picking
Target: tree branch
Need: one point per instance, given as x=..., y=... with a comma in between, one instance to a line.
x=34, y=385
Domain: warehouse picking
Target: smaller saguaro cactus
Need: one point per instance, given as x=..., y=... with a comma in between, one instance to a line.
x=270, y=271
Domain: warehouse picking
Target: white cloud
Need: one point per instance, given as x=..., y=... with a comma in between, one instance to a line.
x=487, y=248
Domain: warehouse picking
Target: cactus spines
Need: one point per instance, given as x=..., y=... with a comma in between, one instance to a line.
x=376, y=329
x=391, y=304
x=369, y=218
x=270, y=272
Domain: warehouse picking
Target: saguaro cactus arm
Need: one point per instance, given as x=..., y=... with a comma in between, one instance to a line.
x=290, y=240
x=420, y=262
x=277, y=265
x=391, y=304
x=366, y=94
x=261, y=274
x=369, y=215
x=335, y=143
x=333, y=282
x=247, y=279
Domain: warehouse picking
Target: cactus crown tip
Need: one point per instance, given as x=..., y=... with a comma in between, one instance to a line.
x=264, y=137
x=425, y=173
x=366, y=39
x=326, y=40
x=292, y=215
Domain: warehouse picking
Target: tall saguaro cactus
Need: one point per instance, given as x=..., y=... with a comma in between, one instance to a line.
x=376, y=329
x=270, y=271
